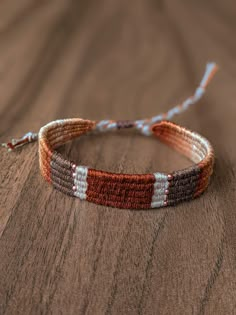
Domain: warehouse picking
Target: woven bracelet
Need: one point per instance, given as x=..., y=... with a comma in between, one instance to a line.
x=128, y=191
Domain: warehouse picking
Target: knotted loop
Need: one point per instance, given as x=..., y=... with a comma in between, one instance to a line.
x=144, y=125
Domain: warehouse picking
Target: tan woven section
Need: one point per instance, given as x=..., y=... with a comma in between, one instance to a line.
x=190, y=182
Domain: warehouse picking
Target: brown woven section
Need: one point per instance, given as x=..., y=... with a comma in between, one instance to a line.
x=63, y=189
x=179, y=192
x=61, y=162
x=120, y=191
x=59, y=178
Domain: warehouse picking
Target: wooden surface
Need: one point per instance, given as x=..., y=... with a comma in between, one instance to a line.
x=123, y=60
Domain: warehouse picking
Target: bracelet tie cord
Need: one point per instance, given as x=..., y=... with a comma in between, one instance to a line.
x=127, y=191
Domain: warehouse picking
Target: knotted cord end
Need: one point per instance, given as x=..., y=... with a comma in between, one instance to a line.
x=211, y=69
x=15, y=143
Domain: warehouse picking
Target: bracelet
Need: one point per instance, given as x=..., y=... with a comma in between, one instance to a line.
x=124, y=190
x=127, y=191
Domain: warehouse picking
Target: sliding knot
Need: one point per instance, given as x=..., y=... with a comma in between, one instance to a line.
x=124, y=124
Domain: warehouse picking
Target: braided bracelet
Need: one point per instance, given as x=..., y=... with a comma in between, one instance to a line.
x=128, y=191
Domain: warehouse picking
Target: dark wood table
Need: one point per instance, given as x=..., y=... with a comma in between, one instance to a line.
x=123, y=60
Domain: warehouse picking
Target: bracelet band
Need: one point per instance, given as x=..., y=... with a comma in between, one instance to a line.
x=128, y=191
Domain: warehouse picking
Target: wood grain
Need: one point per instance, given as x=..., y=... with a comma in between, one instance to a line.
x=122, y=60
